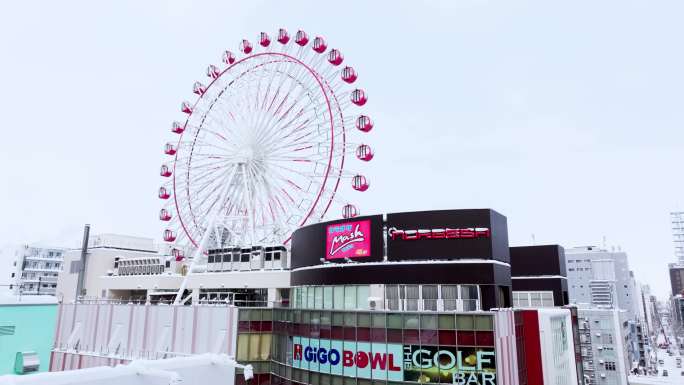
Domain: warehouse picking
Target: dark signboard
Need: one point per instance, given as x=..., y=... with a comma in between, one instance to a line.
x=447, y=234
x=358, y=239
x=448, y=364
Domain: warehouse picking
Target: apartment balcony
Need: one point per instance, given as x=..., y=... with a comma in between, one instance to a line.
x=44, y=270
x=40, y=279
x=43, y=258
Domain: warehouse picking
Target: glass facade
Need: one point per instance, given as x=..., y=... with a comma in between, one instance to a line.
x=389, y=297
x=299, y=346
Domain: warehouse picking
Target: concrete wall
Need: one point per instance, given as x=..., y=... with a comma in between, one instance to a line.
x=96, y=334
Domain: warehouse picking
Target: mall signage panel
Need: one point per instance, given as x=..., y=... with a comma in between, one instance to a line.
x=359, y=239
x=445, y=234
x=348, y=358
x=396, y=362
x=460, y=366
x=348, y=240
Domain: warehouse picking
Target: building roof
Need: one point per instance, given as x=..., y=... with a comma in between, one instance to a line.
x=7, y=299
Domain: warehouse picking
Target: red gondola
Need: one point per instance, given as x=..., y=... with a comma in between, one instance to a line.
x=319, y=44
x=169, y=236
x=264, y=39
x=301, y=38
x=228, y=57
x=177, y=128
x=283, y=36
x=199, y=88
x=364, y=152
x=349, y=75
x=359, y=183
x=164, y=193
x=164, y=215
x=178, y=254
x=358, y=97
x=349, y=211
x=165, y=171
x=364, y=123
x=169, y=149
x=335, y=57
x=186, y=107
x=213, y=71
x=246, y=46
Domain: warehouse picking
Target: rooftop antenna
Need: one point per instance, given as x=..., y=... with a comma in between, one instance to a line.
x=604, y=242
x=533, y=240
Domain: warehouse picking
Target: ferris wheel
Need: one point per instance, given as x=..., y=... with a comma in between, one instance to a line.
x=265, y=147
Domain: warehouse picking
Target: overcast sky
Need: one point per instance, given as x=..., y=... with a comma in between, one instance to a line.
x=566, y=117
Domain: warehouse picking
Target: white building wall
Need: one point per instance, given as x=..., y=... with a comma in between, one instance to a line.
x=557, y=346
x=580, y=265
x=102, y=251
x=30, y=269
x=604, y=357
x=7, y=269
x=95, y=334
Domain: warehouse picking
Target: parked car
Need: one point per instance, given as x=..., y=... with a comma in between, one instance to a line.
x=664, y=373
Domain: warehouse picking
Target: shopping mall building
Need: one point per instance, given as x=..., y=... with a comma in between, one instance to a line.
x=416, y=297
x=400, y=298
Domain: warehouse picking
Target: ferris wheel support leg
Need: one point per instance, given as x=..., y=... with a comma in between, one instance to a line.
x=207, y=234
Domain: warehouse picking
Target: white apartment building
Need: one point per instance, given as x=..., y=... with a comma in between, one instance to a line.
x=602, y=346
x=31, y=270
x=104, y=250
x=677, y=219
x=122, y=267
x=601, y=278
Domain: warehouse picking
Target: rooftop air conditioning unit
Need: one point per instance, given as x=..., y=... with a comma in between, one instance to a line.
x=26, y=362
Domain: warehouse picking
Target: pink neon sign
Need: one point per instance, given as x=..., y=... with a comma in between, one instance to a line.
x=348, y=240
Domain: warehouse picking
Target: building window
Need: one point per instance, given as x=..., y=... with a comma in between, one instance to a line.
x=533, y=299
x=350, y=297
x=610, y=365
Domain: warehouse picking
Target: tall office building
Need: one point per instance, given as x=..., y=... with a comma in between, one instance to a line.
x=602, y=345
x=676, y=278
x=677, y=218
x=601, y=278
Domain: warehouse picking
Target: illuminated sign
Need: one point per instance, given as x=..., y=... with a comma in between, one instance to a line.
x=462, y=366
x=447, y=233
x=348, y=240
x=348, y=358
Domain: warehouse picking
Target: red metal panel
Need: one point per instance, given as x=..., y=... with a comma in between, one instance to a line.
x=532, y=346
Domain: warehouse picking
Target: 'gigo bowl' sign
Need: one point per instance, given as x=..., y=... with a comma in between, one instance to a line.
x=348, y=358
x=395, y=362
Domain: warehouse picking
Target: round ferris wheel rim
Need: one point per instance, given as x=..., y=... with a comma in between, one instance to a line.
x=320, y=84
